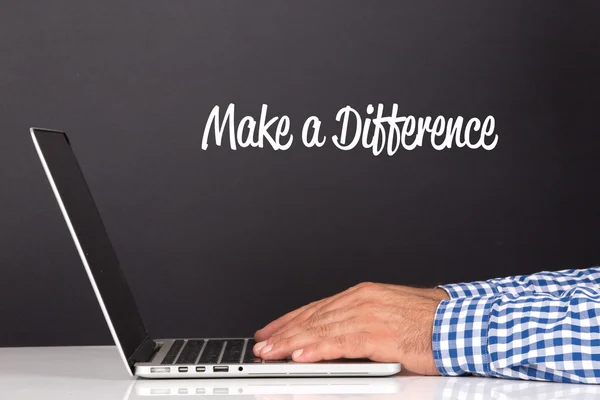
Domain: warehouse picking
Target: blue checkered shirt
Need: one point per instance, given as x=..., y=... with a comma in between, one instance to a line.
x=544, y=326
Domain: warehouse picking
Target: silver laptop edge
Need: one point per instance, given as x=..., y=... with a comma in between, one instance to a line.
x=150, y=365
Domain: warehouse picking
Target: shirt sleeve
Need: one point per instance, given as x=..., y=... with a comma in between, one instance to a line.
x=539, y=336
x=555, y=283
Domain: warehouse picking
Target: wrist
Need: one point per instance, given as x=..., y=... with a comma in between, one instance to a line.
x=439, y=294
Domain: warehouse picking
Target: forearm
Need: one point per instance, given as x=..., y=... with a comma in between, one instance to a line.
x=537, y=336
x=555, y=283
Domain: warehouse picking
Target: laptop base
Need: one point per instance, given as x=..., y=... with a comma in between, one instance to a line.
x=210, y=358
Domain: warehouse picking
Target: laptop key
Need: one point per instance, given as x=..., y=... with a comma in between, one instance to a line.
x=233, y=352
x=172, y=353
x=190, y=352
x=250, y=346
x=211, y=352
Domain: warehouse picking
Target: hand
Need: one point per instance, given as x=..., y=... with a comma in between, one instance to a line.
x=385, y=323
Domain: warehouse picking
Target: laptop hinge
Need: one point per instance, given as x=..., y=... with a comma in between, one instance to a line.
x=144, y=352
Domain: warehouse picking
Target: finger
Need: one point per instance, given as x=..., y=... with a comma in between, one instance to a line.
x=329, y=317
x=352, y=345
x=286, y=347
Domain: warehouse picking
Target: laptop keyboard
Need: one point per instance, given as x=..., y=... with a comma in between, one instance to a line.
x=212, y=351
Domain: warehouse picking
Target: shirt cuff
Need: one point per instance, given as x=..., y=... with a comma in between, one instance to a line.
x=460, y=333
x=472, y=289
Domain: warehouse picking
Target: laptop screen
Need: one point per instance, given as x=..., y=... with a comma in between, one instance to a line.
x=91, y=240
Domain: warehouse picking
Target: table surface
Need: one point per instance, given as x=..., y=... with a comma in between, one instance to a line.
x=97, y=373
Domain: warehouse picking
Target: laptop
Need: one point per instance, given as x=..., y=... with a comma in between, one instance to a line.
x=143, y=355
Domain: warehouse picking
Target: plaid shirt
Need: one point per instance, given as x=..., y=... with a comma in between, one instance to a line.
x=544, y=326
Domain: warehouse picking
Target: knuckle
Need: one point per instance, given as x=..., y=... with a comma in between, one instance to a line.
x=321, y=330
x=368, y=287
x=358, y=286
x=276, y=338
x=341, y=340
x=361, y=340
x=326, y=316
x=278, y=332
x=283, y=344
x=305, y=326
x=279, y=346
x=310, y=322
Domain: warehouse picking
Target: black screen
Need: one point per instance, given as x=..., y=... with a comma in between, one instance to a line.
x=93, y=239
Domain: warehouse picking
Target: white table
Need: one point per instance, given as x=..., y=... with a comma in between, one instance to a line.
x=97, y=373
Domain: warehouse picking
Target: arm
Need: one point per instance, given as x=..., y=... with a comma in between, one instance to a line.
x=536, y=336
x=555, y=283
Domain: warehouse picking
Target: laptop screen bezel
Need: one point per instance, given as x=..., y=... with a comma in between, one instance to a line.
x=128, y=359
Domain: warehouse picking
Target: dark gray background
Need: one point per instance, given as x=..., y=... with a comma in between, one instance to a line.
x=258, y=232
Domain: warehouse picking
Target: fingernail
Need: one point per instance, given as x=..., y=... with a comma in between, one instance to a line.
x=258, y=346
x=297, y=353
x=266, y=349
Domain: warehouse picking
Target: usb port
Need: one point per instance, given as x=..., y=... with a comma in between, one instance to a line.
x=221, y=368
x=183, y=369
x=200, y=369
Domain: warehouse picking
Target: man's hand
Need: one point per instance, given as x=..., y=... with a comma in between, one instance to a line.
x=385, y=323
